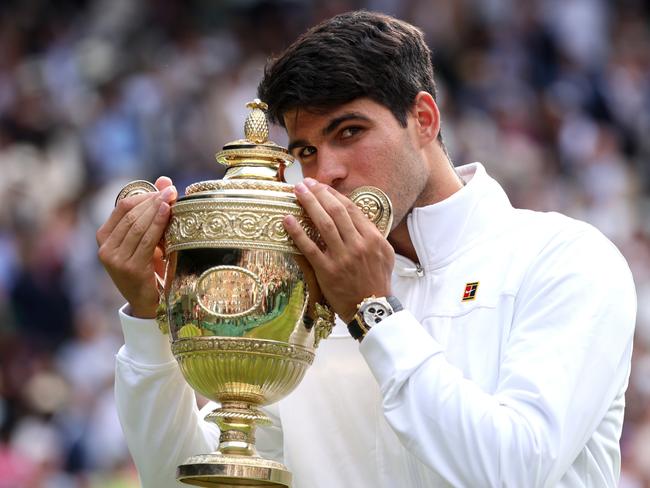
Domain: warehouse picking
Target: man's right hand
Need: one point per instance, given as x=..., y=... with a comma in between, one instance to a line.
x=128, y=246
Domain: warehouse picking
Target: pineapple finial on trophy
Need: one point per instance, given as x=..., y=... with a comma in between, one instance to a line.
x=256, y=127
x=255, y=157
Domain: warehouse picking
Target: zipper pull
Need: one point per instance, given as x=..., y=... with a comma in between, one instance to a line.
x=419, y=270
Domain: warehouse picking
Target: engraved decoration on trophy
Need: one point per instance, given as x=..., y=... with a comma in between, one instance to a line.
x=241, y=305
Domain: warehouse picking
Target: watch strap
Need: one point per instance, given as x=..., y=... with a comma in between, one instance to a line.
x=395, y=304
x=357, y=328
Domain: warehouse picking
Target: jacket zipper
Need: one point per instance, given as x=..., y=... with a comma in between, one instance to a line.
x=419, y=270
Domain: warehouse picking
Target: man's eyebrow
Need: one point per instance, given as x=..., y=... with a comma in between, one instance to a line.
x=295, y=144
x=335, y=122
x=331, y=127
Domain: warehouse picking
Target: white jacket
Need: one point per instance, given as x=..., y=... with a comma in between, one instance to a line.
x=522, y=386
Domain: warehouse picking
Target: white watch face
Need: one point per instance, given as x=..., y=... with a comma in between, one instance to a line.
x=375, y=312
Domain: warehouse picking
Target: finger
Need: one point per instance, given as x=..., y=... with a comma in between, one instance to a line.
x=158, y=262
x=326, y=226
x=169, y=192
x=133, y=239
x=145, y=248
x=130, y=220
x=303, y=242
x=361, y=222
x=123, y=207
x=335, y=208
x=163, y=182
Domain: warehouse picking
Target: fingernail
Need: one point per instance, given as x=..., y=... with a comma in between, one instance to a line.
x=310, y=182
x=163, y=209
x=290, y=221
x=163, y=178
x=168, y=192
x=301, y=188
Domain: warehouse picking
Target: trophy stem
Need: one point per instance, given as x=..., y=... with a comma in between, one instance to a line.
x=237, y=422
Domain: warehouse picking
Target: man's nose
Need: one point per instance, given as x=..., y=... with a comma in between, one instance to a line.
x=331, y=170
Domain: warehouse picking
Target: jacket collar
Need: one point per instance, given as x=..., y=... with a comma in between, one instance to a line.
x=442, y=231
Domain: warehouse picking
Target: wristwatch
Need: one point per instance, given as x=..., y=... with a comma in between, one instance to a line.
x=371, y=311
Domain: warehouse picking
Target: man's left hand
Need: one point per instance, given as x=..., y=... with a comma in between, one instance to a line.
x=357, y=261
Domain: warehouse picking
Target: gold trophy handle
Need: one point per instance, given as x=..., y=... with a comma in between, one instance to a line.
x=139, y=187
x=375, y=205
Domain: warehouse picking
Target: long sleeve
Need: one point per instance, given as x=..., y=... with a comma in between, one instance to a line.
x=156, y=407
x=564, y=363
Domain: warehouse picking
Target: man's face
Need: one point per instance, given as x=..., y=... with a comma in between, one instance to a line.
x=360, y=143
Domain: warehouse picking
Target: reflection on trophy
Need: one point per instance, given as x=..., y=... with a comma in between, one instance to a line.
x=241, y=305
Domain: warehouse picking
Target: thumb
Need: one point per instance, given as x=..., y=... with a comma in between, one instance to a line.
x=163, y=182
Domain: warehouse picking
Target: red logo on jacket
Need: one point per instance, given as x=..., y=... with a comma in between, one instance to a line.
x=470, y=291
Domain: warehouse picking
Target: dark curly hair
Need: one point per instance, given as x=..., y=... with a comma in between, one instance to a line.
x=352, y=55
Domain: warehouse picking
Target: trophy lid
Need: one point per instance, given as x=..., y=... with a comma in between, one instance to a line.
x=255, y=161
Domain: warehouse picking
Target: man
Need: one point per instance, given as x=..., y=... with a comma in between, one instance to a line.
x=504, y=352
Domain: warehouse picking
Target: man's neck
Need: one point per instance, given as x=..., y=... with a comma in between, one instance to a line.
x=401, y=241
x=443, y=183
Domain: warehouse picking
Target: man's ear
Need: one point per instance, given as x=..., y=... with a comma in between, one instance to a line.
x=427, y=117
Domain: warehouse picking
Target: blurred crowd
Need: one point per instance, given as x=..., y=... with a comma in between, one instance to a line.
x=553, y=96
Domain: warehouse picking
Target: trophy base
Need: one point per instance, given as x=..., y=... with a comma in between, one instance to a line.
x=223, y=471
